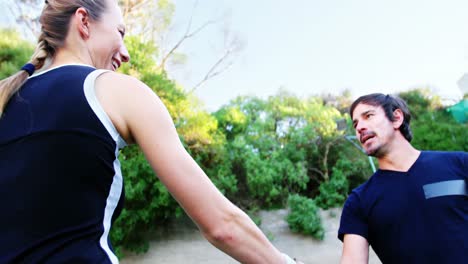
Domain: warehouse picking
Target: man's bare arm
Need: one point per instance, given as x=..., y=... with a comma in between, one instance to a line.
x=355, y=250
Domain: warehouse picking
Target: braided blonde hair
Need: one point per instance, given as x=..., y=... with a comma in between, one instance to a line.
x=55, y=20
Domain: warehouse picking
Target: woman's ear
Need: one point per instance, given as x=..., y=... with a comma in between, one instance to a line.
x=82, y=22
x=398, y=118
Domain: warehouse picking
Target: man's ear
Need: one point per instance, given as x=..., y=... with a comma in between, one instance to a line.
x=82, y=22
x=398, y=118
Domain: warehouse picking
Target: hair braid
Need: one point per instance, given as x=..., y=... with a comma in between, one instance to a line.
x=55, y=18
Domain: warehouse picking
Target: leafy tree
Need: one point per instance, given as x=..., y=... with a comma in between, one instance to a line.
x=14, y=52
x=437, y=130
x=232, y=121
x=152, y=21
x=148, y=203
x=420, y=101
x=285, y=144
x=433, y=127
x=342, y=101
x=256, y=151
x=264, y=173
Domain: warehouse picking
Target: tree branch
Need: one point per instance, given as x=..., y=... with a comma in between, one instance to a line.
x=212, y=71
x=318, y=171
x=325, y=158
x=188, y=34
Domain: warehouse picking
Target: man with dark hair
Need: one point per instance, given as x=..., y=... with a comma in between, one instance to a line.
x=414, y=209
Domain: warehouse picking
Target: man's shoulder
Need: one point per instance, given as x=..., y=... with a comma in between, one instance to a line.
x=442, y=165
x=436, y=157
x=370, y=182
x=367, y=188
x=438, y=153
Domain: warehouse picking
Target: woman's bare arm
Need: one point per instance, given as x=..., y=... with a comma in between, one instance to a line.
x=140, y=116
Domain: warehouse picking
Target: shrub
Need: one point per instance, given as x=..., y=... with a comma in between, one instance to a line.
x=333, y=193
x=303, y=216
x=148, y=203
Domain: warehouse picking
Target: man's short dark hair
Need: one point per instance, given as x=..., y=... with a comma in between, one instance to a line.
x=389, y=103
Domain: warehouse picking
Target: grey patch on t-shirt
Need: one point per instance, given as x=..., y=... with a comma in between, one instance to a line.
x=444, y=188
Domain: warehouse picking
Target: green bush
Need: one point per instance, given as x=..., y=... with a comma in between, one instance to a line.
x=346, y=175
x=333, y=193
x=14, y=52
x=256, y=151
x=303, y=217
x=437, y=130
x=148, y=203
x=271, y=179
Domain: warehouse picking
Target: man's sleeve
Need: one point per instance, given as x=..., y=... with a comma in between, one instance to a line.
x=353, y=220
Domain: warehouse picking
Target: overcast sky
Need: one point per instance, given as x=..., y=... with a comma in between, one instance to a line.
x=317, y=46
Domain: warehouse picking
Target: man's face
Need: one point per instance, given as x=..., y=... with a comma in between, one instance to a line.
x=373, y=129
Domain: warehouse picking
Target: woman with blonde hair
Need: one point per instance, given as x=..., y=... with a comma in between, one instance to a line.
x=60, y=133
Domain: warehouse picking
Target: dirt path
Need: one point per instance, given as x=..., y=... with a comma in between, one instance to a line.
x=183, y=244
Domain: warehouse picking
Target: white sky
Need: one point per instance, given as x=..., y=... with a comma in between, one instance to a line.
x=325, y=46
x=316, y=46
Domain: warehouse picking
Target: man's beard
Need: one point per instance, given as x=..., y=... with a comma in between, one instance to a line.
x=376, y=152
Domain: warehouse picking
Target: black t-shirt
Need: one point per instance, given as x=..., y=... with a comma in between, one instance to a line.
x=418, y=216
x=60, y=180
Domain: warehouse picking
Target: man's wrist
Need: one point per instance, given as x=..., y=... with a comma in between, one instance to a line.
x=288, y=259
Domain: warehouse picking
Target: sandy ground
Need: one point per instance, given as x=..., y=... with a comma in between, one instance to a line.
x=181, y=243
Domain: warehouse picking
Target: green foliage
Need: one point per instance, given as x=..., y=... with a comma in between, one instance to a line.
x=342, y=101
x=232, y=121
x=432, y=125
x=303, y=217
x=257, y=152
x=142, y=61
x=277, y=144
x=147, y=203
x=270, y=143
x=333, y=193
x=14, y=52
x=269, y=180
x=148, y=19
x=167, y=8
x=437, y=130
x=420, y=101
